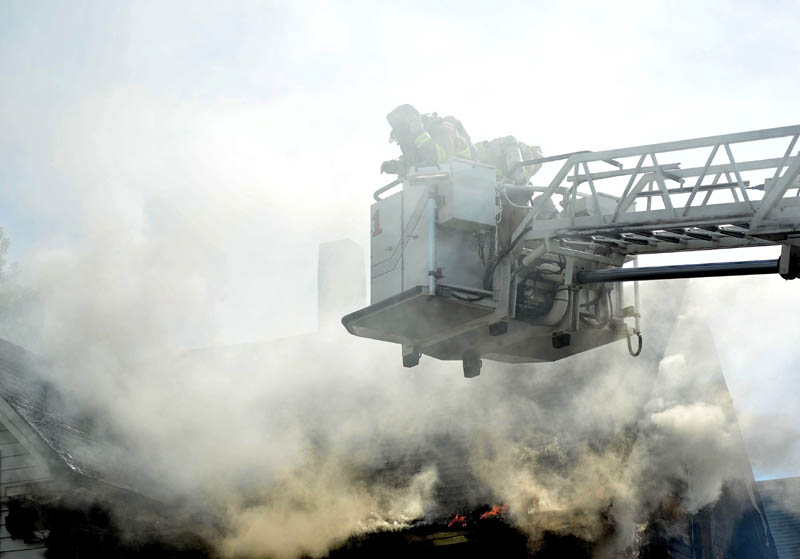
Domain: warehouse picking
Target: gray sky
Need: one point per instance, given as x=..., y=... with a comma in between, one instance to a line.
x=251, y=131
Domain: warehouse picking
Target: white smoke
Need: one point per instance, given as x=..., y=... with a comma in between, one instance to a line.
x=279, y=438
x=566, y=445
x=184, y=210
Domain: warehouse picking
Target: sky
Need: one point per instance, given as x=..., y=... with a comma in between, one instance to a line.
x=250, y=132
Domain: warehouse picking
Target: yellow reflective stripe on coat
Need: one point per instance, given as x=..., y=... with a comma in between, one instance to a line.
x=422, y=139
x=441, y=155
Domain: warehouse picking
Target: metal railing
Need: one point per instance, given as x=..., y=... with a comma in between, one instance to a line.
x=689, y=202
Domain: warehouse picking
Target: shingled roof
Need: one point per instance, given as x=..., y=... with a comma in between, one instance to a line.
x=47, y=422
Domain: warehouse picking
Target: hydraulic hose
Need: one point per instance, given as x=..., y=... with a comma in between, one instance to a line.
x=630, y=347
x=487, y=277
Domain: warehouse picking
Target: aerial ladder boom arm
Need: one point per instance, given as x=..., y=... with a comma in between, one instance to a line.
x=717, y=201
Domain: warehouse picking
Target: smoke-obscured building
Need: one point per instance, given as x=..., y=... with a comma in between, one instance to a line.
x=56, y=480
x=64, y=487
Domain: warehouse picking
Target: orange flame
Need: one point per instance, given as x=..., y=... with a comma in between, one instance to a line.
x=497, y=510
x=458, y=519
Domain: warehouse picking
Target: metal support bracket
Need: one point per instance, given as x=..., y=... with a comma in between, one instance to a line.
x=789, y=264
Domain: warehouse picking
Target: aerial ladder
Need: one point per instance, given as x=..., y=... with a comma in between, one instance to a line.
x=448, y=282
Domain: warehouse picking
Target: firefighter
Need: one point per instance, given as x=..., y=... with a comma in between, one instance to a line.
x=505, y=154
x=449, y=133
x=425, y=139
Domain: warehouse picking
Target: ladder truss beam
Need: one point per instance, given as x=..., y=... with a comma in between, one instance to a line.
x=676, y=217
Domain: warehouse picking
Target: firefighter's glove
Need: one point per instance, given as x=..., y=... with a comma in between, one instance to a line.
x=391, y=167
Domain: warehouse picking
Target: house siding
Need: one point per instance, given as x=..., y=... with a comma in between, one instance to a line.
x=20, y=471
x=782, y=503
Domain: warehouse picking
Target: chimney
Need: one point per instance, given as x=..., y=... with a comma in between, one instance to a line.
x=341, y=282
